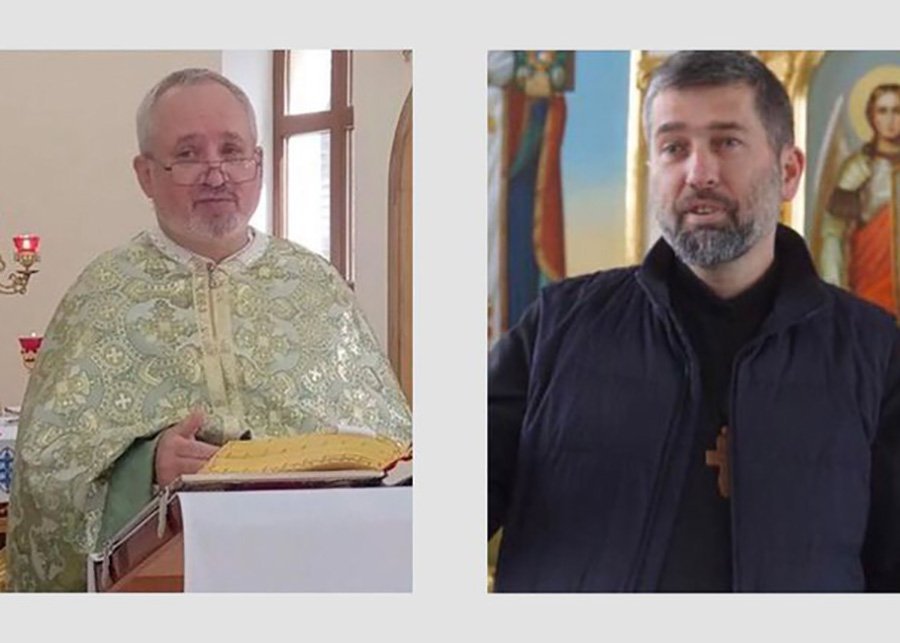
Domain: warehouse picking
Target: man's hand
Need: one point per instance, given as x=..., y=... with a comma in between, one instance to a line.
x=179, y=451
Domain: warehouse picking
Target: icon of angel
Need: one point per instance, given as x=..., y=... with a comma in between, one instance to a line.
x=855, y=229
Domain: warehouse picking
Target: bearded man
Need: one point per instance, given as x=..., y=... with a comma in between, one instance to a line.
x=193, y=334
x=717, y=418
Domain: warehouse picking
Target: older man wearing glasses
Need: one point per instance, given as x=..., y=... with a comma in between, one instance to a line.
x=191, y=335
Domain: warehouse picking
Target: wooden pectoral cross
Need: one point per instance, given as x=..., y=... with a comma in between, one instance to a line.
x=719, y=459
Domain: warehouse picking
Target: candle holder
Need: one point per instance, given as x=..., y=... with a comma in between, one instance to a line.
x=29, y=349
x=26, y=256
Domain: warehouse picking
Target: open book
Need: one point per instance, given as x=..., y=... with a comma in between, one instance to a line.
x=328, y=458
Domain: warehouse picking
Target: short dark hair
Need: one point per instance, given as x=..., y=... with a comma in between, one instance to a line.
x=719, y=68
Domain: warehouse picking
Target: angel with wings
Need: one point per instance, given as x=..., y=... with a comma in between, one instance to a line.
x=855, y=233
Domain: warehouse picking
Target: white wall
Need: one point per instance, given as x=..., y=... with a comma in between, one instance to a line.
x=65, y=172
x=252, y=71
x=381, y=81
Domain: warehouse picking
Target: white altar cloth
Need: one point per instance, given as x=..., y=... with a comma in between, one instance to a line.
x=299, y=540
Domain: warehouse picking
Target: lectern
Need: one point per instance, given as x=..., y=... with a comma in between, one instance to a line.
x=239, y=539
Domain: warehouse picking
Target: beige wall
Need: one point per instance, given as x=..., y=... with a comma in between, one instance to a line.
x=67, y=123
x=381, y=81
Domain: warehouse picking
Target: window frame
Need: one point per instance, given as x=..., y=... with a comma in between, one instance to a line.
x=338, y=121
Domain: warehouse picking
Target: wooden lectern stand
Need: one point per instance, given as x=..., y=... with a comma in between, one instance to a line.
x=162, y=571
x=146, y=556
x=348, y=536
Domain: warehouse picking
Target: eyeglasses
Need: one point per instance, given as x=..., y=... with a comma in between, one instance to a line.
x=193, y=172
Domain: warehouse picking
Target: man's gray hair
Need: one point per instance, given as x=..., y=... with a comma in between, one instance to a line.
x=185, y=78
x=687, y=69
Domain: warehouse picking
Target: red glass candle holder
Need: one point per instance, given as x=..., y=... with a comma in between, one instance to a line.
x=26, y=243
x=29, y=349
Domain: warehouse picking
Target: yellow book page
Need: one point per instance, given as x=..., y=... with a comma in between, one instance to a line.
x=306, y=452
